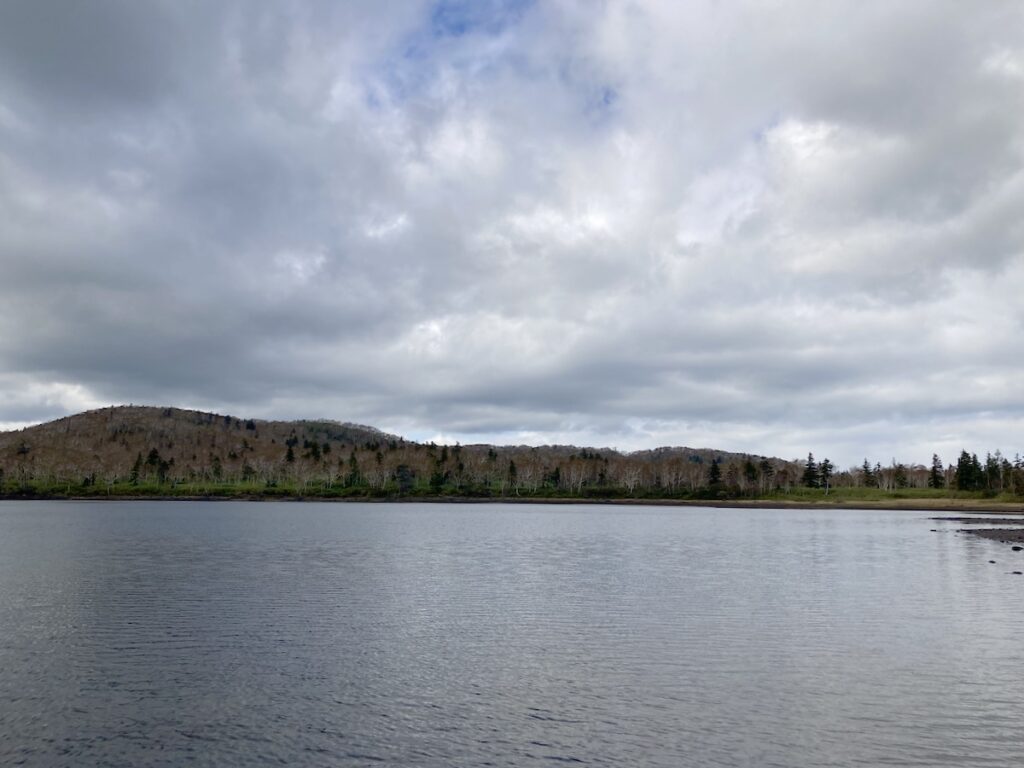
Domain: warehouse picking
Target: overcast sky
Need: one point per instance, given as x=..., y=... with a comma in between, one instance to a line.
x=759, y=226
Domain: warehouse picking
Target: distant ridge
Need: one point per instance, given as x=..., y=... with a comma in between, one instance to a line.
x=104, y=439
x=168, y=445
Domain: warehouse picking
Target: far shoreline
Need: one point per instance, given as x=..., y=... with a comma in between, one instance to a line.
x=895, y=505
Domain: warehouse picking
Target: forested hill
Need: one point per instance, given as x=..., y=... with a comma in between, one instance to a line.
x=145, y=447
x=172, y=442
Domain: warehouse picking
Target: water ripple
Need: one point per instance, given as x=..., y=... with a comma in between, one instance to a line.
x=351, y=635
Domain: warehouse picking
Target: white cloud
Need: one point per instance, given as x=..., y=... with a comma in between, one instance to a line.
x=381, y=228
x=22, y=394
x=298, y=268
x=1005, y=63
x=629, y=223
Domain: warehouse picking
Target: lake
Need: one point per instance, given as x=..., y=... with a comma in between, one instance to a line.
x=167, y=633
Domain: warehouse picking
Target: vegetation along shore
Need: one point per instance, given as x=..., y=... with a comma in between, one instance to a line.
x=148, y=452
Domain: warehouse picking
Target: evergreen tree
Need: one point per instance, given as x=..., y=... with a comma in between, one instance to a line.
x=968, y=472
x=811, y=477
x=749, y=471
x=869, y=476
x=312, y=450
x=963, y=471
x=937, y=475
x=825, y=473
x=1017, y=486
x=438, y=477
x=353, y=469
x=714, y=476
x=993, y=479
x=899, y=476
x=405, y=478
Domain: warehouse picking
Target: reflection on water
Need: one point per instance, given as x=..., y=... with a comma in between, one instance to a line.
x=322, y=634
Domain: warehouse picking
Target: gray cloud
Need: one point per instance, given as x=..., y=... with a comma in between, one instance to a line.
x=769, y=228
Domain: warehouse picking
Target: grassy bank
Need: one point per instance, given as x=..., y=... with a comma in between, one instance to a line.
x=905, y=498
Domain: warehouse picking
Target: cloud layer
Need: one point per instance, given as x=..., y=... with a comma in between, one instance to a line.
x=768, y=227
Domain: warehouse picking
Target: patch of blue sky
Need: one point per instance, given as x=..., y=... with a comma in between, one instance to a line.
x=451, y=20
x=599, y=101
x=449, y=23
x=601, y=105
x=478, y=40
x=456, y=18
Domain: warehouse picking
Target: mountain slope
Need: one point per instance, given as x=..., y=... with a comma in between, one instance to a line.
x=136, y=445
x=109, y=441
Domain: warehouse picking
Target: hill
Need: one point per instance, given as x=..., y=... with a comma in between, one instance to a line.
x=109, y=441
x=139, y=449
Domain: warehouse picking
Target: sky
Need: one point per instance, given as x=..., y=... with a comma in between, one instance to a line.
x=767, y=227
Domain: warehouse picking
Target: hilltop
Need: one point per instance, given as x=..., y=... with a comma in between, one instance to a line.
x=145, y=448
x=107, y=442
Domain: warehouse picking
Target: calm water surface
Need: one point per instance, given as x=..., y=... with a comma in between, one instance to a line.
x=226, y=634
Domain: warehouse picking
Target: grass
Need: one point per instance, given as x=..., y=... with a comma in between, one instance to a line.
x=845, y=496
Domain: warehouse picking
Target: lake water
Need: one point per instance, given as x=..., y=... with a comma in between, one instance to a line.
x=166, y=633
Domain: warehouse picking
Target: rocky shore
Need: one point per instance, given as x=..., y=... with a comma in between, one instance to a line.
x=1004, y=535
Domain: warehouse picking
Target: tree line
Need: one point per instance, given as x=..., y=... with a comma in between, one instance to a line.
x=995, y=475
x=306, y=463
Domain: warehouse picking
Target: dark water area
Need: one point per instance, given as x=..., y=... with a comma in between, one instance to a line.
x=221, y=634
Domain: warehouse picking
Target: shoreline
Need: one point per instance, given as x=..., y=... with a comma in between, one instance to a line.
x=896, y=505
x=1002, y=535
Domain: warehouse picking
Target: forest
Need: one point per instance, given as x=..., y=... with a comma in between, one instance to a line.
x=144, y=451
